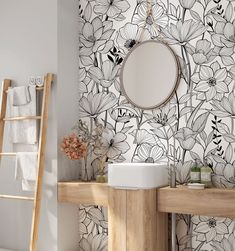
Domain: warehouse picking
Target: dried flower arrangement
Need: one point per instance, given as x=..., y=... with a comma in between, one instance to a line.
x=85, y=143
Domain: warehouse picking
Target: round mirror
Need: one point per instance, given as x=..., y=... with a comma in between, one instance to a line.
x=149, y=74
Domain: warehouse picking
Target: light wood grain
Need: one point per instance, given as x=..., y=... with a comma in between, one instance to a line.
x=21, y=118
x=5, y=85
x=117, y=220
x=8, y=154
x=83, y=193
x=141, y=220
x=162, y=229
x=41, y=153
x=16, y=197
x=211, y=201
x=134, y=223
x=38, y=88
x=41, y=162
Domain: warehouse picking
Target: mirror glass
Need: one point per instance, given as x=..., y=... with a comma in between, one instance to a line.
x=149, y=74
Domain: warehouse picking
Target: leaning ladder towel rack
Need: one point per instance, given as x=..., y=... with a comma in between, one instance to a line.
x=41, y=151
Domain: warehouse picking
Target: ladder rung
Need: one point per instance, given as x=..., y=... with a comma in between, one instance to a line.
x=15, y=197
x=22, y=118
x=39, y=88
x=7, y=154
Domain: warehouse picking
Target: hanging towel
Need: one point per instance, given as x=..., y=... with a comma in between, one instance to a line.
x=26, y=169
x=21, y=95
x=23, y=131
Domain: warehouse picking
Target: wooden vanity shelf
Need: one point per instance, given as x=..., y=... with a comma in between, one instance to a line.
x=138, y=218
x=211, y=201
x=83, y=192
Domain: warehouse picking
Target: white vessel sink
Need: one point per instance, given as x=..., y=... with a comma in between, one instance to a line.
x=137, y=175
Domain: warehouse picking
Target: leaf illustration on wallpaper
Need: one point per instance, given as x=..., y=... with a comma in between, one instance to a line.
x=225, y=107
x=225, y=244
x=98, y=242
x=200, y=116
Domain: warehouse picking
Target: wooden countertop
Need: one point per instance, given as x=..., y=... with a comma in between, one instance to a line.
x=83, y=192
x=211, y=201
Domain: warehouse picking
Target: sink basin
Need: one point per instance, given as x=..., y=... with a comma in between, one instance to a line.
x=137, y=175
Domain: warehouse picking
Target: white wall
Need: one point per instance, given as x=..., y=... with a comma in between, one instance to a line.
x=68, y=233
x=28, y=46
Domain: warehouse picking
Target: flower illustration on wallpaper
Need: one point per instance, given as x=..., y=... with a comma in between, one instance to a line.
x=226, y=244
x=186, y=138
x=111, y=8
x=187, y=4
x=112, y=145
x=183, y=171
x=155, y=21
x=162, y=117
x=202, y=53
x=229, y=172
x=224, y=34
x=183, y=32
x=212, y=82
x=95, y=36
x=106, y=74
x=149, y=154
x=97, y=242
x=142, y=136
x=225, y=107
x=95, y=104
x=130, y=35
x=210, y=228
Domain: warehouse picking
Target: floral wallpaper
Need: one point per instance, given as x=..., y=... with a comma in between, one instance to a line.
x=201, y=113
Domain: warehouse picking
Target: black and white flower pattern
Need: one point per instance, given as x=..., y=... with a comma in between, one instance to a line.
x=210, y=228
x=200, y=116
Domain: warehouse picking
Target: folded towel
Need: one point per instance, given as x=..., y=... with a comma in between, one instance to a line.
x=21, y=95
x=23, y=131
x=26, y=169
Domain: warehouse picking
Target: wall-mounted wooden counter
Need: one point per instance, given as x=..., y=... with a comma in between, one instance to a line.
x=139, y=217
x=83, y=192
x=211, y=201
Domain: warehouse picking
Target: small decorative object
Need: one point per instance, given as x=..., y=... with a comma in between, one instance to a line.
x=195, y=174
x=101, y=177
x=206, y=176
x=196, y=186
x=74, y=147
x=85, y=145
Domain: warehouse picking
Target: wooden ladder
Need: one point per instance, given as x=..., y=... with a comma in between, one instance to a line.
x=48, y=79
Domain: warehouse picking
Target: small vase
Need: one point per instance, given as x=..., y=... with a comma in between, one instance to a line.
x=85, y=170
x=102, y=177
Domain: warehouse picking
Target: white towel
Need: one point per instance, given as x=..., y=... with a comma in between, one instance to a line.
x=21, y=95
x=23, y=131
x=26, y=169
